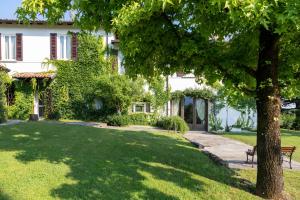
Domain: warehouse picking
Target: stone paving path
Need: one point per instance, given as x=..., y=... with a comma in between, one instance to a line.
x=227, y=151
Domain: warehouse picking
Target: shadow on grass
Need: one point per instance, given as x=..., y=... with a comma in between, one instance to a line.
x=3, y=196
x=113, y=164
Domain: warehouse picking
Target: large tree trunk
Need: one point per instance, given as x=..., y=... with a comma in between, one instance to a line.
x=269, y=172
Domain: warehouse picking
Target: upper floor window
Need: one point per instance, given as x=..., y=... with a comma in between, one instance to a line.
x=64, y=47
x=10, y=47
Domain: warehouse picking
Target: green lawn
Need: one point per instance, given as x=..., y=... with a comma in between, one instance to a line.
x=288, y=138
x=54, y=161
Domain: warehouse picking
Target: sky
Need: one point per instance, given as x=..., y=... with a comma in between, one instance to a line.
x=8, y=8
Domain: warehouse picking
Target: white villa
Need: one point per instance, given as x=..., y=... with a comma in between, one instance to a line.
x=24, y=48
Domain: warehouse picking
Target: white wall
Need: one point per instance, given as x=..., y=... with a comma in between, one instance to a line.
x=182, y=83
x=233, y=115
x=36, y=45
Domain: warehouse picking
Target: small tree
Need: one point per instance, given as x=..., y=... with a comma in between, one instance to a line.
x=158, y=94
x=118, y=92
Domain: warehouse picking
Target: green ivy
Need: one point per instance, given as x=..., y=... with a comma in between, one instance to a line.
x=204, y=93
x=78, y=83
x=70, y=95
x=4, y=80
x=23, y=103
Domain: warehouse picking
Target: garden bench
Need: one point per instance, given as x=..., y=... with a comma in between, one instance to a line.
x=288, y=152
x=251, y=152
x=285, y=151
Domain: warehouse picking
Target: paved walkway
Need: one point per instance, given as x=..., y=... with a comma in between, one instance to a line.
x=228, y=152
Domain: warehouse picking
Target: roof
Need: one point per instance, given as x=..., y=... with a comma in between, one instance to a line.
x=36, y=22
x=3, y=68
x=40, y=75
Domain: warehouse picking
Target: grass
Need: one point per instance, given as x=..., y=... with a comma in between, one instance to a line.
x=288, y=138
x=54, y=161
x=292, y=183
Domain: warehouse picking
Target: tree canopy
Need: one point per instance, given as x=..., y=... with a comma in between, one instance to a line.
x=252, y=46
x=215, y=38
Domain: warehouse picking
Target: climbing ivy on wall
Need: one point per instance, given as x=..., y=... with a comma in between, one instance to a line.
x=23, y=101
x=204, y=93
x=71, y=90
x=4, y=80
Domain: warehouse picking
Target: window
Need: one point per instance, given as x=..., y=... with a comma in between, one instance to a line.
x=98, y=104
x=64, y=47
x=141, y=107
x=10, y=47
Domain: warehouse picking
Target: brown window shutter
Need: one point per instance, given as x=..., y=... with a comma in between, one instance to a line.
x=0, y=47
x=53, y=46
x=19, y=47
x=74, y=46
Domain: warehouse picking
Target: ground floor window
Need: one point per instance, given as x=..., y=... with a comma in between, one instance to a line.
x=141, y=107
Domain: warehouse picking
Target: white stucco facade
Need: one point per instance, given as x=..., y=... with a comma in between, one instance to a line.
x=36, y=45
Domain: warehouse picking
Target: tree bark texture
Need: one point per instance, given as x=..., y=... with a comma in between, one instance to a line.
x=269, y=172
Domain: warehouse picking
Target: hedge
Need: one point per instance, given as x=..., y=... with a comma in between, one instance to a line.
x=174, y=123
x=132, y=119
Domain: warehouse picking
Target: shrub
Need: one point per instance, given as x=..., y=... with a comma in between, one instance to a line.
x=23, y=103
x=175, y=123
x=117, y=92
x=287, y=121
x=142, y=119
x=3, y=109
x=240, y=122
x=132, y=119
x=118, y=120
x=215, y=123
x=296, y=124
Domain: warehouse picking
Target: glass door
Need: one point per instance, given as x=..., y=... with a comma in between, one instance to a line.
x=200, y=110
x=189, y=111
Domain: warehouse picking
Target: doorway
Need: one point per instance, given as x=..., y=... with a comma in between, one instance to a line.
x=193, y=110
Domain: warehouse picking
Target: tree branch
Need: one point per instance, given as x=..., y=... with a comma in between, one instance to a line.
x=235, y=81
